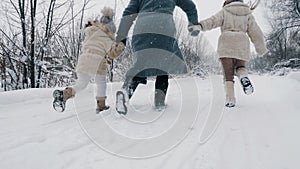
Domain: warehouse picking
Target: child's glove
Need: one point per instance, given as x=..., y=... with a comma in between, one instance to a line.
x=116, y=50
x=194, y=30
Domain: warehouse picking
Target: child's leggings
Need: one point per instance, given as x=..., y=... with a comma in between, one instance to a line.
x=230, y=65
x=84, y=79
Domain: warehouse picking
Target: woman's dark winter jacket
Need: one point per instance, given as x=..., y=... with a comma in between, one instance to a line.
x=155, y=48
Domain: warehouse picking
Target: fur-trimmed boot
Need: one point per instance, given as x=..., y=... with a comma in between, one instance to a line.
x=229, y=92
x=68, y=93
x=244, y=80
x=101, y=104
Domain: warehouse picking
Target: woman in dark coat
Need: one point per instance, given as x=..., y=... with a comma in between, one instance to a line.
x=155, y=48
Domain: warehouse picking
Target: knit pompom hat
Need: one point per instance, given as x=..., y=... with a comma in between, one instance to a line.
x=107, y=18
x=107, y=15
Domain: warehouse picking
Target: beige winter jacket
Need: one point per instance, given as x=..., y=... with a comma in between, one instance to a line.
x=236, y=22
x=96, y=45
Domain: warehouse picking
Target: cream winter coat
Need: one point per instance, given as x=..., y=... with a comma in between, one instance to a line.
x=95, y=47
x=236, y=22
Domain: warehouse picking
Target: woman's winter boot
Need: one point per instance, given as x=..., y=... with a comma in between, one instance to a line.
x=161, y=87
x=159, y=99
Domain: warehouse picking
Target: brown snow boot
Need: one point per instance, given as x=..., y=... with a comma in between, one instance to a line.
x=68, y=93
x=101, y=104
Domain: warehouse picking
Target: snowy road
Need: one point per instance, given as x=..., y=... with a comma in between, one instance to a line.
x=262, y=132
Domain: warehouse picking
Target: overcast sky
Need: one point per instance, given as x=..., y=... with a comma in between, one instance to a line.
x=206, y=8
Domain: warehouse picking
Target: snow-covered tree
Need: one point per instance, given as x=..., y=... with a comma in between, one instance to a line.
x=283, y=41
x=32, y=35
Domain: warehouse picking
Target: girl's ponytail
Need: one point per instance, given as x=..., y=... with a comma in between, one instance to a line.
x=254, y=4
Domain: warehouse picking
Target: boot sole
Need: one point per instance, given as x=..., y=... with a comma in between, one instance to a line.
x=121, y=103
x=100, y=110
x=230, y=105
x=58, y=103
x=248, y=90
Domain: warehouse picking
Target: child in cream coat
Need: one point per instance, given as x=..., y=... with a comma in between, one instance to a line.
x=237, y=26
x=98, y=41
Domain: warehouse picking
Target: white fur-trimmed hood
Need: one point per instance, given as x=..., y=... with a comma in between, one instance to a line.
x=238, y=8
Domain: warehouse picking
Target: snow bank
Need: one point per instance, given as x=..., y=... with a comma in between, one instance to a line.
x=261, y=132
x=294, y=76
x=19, y=96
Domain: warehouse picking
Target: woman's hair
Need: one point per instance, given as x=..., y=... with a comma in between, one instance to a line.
x=254, y=4
x=225, y=3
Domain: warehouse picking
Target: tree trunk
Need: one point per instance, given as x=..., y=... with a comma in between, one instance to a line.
x=24, y=39
x=3, y=73
x=32, y=43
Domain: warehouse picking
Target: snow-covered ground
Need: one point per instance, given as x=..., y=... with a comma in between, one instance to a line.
x=261, y=132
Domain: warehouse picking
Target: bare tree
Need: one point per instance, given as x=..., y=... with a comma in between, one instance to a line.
x=287, y=13
x=283, y=40
x=198, y=53
x=32, y=29
x=285, y=20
